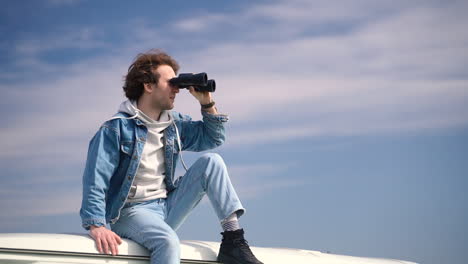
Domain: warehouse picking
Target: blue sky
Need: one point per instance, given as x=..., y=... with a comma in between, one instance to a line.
x=348, y=127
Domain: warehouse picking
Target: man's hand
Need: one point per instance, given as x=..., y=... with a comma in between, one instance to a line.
x=105, y=239
x=204, y=98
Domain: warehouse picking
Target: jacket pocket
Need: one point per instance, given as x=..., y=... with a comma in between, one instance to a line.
x=127, y=148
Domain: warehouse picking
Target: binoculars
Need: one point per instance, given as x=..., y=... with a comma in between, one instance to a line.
x=199, y=81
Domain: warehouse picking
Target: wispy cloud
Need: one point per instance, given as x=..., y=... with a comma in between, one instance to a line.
x=201, y=22
x=253, y=181
x=376, y=76
x=55, y=116
x=78, y=38
x=62, y=2
x=256, y=180
x=289, y=73
x=375, y=107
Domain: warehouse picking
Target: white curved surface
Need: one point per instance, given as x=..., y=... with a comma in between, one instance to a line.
x=191, y=249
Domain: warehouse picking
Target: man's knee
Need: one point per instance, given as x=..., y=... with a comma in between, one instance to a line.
x=171, y=241
x=165, y=242
x=213, y=159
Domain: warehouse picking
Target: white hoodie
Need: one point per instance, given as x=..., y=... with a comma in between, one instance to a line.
x=149, y=179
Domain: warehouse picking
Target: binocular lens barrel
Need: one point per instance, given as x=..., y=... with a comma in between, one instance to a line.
x=209, y=87
x=199, y=81
x=185, y=80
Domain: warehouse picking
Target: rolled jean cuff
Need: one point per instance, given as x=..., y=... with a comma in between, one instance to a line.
x=239, y=210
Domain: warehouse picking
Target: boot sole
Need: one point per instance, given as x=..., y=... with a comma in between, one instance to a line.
x=227, y=260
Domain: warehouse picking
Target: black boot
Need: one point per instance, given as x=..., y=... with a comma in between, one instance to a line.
x=235, y=250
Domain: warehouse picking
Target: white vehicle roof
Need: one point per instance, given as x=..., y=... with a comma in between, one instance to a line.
x=193, y=251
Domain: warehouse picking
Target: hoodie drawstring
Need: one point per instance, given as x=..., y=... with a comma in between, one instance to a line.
x=180, y=147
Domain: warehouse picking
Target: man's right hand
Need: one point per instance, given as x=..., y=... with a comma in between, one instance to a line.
x=106, y=240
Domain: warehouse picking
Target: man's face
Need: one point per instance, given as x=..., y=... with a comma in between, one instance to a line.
x=164, y=93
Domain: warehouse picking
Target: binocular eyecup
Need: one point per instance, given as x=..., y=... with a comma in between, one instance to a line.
x=199, y=81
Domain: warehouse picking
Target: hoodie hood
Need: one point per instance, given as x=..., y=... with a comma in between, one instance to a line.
x=130, y=107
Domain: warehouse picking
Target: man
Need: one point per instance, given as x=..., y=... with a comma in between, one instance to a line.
x=129, y=178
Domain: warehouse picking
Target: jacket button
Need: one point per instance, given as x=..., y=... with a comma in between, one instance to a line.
x=142, y=139
x=129, y=177
x=135, y=157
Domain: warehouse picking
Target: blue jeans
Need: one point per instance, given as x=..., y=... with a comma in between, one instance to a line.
x=153, y=223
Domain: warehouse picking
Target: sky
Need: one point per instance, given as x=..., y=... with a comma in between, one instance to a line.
x=348, y=120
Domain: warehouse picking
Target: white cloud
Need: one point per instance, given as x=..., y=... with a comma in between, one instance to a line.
x=256, y=180
x=395, y=74
x=76, y=38
x=389, y=74
x=392, y=74
x=62, y=2
x=341, y=108
x=201, y=22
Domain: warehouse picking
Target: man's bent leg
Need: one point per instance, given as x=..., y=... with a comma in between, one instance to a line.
x=144, y=223
x=208, y=175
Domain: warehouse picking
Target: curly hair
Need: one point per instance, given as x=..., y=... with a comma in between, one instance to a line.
x=142, y=71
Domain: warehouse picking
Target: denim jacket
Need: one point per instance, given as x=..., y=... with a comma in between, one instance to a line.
x=114, y=153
